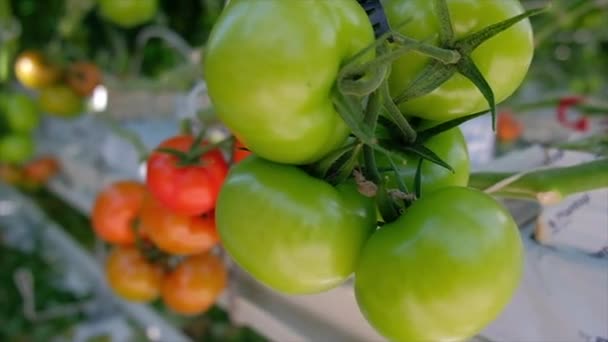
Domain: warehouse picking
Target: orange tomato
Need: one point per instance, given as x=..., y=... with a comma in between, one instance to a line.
x=83, y=77
x=115, y=210
x=508, y=128
x=194, y=285
x=131, y=276
x=176, y=233
x=41, y=170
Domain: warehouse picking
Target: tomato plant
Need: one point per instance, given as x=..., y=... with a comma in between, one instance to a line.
x=131, y=276
x=293, y=232
x=195, y=284
x=60, y=101
x=278, y=98
x=82, y=77
x=175, y=233
x=510, y=50
x=115, y=210
x=128, y=13
x=443, y=270
x=20, y=113
x=33, y=70
x=185, y=181
x=16, y=148
x=450, y=146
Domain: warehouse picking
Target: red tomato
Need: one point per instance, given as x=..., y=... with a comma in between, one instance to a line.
x=195, y=284
x=115, y=210
x=240, y=152
x=41, y=170
x=175, y=233
x=190, y=189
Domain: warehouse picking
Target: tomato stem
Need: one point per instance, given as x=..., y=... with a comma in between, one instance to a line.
x=548, y=186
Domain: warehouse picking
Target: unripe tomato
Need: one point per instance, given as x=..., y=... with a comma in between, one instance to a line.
x=128, y=13
x=443, y=270
x=131, y=276
x=503, y=60
x=194, y=285
x=16, y=148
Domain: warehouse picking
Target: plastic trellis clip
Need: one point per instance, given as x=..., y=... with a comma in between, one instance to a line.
x=376, y=15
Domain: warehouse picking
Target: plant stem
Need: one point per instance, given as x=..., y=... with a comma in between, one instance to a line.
x=548, y=186
x=372, y=112
x=446, y=56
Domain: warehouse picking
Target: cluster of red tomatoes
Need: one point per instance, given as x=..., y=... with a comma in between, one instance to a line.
x=164, y=231
x=62, y=90
x=432, y=259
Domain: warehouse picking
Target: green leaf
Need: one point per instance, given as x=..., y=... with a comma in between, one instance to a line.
x=418, y=179
x=428, y=133
x=322, y=168
x=351, y=112
x=469, y=43
x=426, y=153
x=429, y=79
x=468, y=69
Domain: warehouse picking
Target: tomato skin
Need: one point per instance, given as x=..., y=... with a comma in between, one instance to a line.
x=194, y=285
x=451, y=147
x=131, y=276
x=175, y=233
x=115, y=210
x=291, y=231
x=60, y=101
x=270, y=66
x=34, y=71
x=239, y=152
x=21, y=113
x=128, y=13
x=504, y=59
x=16, y=148
x=447, y=268
x=82, y=77
x=190, y=190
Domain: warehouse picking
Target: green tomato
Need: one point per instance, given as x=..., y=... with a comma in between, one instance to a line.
x=503, y=60
x=270, y=67
x=21, y=113
x=128, y=13
x=60, y=101
x=443, y=270
x=293, y=232
x=16, y=148
x=450, y=146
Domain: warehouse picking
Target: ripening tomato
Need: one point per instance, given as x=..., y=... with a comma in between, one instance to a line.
x=34, y=71
x=115, y=211
x=186, y=189
x=194, y=285
x=39, y=171
x=443, y=270
x=131, y=276
x=176, y=233
x=503, y=60
x=60, y=101
x=82, y=77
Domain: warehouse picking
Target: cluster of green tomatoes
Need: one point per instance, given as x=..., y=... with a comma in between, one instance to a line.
x=338, y=185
